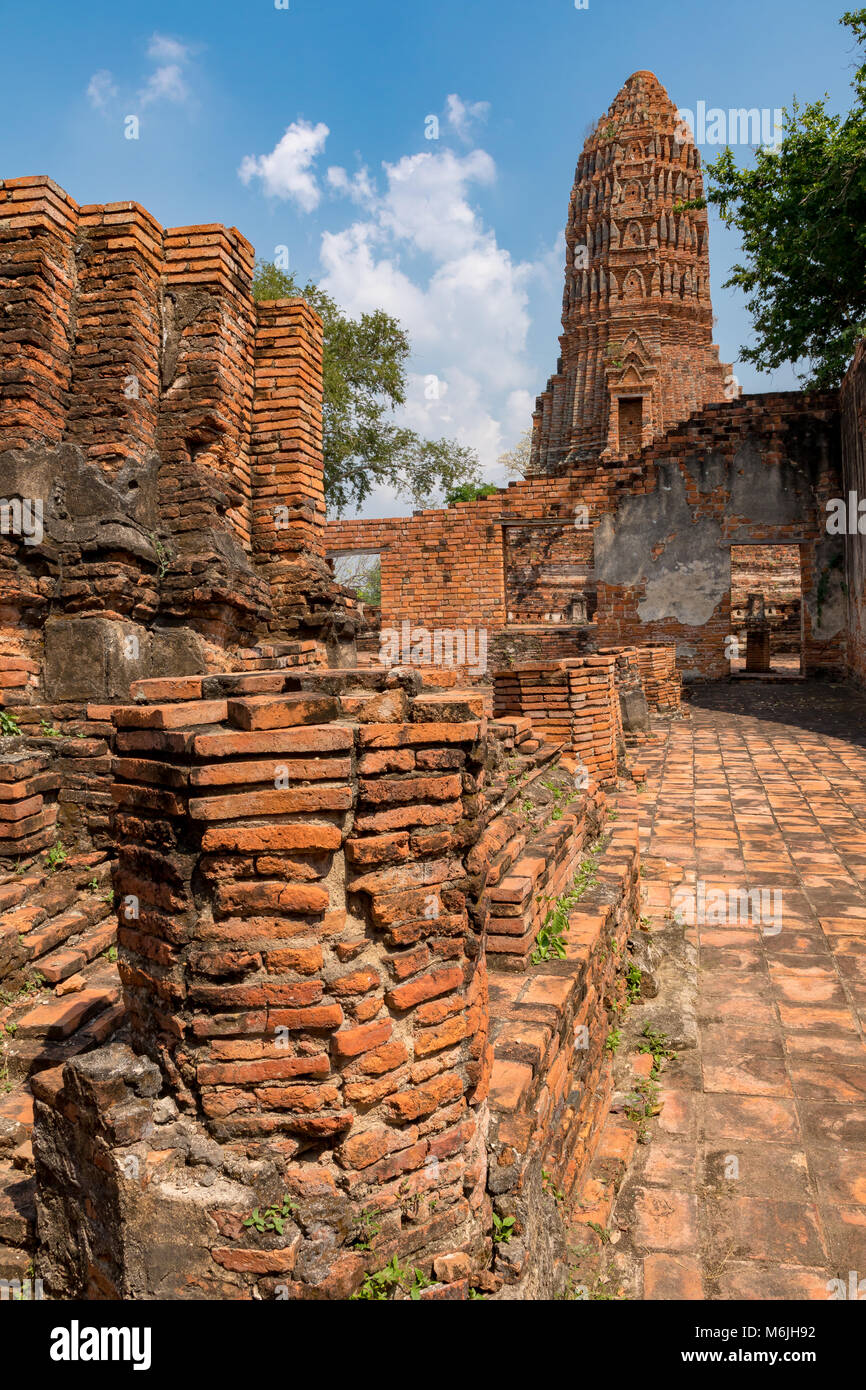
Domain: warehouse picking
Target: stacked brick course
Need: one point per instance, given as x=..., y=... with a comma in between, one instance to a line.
x=28, y=811
x=170, y=430
x=660, y=678
x=572, y=702
x=296, y=947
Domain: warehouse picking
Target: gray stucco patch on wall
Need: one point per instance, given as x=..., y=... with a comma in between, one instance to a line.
x=690, y=577
x=768, y=494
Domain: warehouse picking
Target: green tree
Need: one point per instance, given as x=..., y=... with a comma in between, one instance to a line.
x=469, y=492
x=364, y=380
x=801, y=212
x=363, y=573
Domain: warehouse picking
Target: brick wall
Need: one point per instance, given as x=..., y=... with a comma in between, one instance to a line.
x=168, y=427
x=660, y=529
x=308, y=867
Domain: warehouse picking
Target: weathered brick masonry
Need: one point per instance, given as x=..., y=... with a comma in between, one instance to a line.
x=169, y=431
x=307, y=869
x=636, y=352
x=333, y=1033
x=651, y=550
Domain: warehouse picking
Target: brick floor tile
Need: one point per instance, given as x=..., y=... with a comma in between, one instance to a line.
x=672, y=1277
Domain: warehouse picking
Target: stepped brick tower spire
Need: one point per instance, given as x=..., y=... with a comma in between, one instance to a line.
x=637, y=352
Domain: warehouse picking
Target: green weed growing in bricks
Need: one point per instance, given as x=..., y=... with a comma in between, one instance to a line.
x=273, y=1218
x=385, y=1283
x=503, y=1229
x=56, y=856
x=658, y=1046
x=633, y=982
x=550, y=941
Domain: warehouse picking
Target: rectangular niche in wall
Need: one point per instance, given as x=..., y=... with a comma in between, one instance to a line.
x=630, y=424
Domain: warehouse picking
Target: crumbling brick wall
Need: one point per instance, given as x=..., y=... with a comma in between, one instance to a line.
x=661, y=528
x=304, y=925
x=298, y=955
x=168, y=431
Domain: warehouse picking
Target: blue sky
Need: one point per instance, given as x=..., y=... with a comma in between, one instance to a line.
x=305, y=127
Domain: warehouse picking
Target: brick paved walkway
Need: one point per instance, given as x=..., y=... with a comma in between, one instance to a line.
x=754, y=1183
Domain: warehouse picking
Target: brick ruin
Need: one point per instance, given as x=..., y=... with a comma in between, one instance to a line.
x=275, y=999
x=273, y=1008
x=644, y=538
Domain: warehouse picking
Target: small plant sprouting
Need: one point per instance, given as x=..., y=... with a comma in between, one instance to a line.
x=9, y=725
x=48, y=729
x=163, y=558
x=273, y=1218
x=642, y=1106
x=603, y=1232
x=365, y=1229
x=503, y=1229
x=550, y=940
x=658, y=1046
x=56, y=856
x=614, y=1038
x=547, y=1184
x=381, y=1286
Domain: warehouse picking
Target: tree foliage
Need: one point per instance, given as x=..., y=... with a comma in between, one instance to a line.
x=801, y=212
x=469, y=492
x=363, y=573
x=364, y=380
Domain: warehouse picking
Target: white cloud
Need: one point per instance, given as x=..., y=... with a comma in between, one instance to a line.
x=101, y=89
x=427, y=205
x=422, y=252
x=462, y=115
x=165, y=50
x=359, y=187
x=168, y=81
x=287, y=171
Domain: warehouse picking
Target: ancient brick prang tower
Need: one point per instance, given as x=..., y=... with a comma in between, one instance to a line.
x=637, y=351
